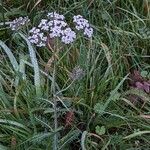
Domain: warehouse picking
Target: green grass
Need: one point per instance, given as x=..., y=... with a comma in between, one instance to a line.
x=34, y=102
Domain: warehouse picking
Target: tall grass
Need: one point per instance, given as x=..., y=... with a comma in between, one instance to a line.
x=98, y=106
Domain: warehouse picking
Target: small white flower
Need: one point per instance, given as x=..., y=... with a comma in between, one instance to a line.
x=55, y=32
x=50, y=23
x=55, y=15
x=41, y=44
x=59, y=23
x=41, y=36
x=88, y=32
x=44, y=25
x=68, y=36
x=37, y=37
x=83, y=24
x=34, y=30
x=18, y=23
x=75, y=18
x=79, y=27
x=56, y=27
x=63, y=24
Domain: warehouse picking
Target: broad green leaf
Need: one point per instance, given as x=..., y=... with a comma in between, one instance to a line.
x=10, y=56
x=116, y=96
x=72, y=135
x=13, y=123
x=3, y=147
x=34, y=61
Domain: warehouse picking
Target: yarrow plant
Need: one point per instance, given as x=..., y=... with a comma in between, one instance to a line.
x=55, y=26
x=18, y=23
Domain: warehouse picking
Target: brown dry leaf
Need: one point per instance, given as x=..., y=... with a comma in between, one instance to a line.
x=74, y=56
x=146, y=5
x=135, y=76
x=35, y=5
x=13, y=142
x=137, y=81
x=50, y=44
x=90, y=2
x=107, y=54
x=49, y=64
x=69, y=118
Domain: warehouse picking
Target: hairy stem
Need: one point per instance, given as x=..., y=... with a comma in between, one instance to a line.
x=55, y=143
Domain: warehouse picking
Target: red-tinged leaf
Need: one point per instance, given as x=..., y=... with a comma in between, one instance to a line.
x=69, y=118
x=146, y=86
x=135, y=77
x=139, y=85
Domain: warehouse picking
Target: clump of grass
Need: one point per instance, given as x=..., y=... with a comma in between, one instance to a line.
x=95, y=111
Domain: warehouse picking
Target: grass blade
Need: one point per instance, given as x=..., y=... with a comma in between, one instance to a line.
x=136, y=134
x=83, y=139
x=10, y=55
x=37, y=81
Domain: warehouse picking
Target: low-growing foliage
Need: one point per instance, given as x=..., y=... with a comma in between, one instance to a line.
x=80, y=80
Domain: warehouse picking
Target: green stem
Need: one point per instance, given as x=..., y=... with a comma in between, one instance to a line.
x=3, y=12
x=55, y=106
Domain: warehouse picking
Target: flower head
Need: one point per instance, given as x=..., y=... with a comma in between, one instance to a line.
x=68, y=36
x=77, y=73
x=44, y=25
x=83, y=24
x=88, y=31
x=18, y=23
x=37, y=37
x=54, y=27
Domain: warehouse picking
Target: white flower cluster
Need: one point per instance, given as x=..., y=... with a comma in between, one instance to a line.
x=54, y=26
x=37, y=37
x=83, y=24
x=18, y=23
x=68, y=36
